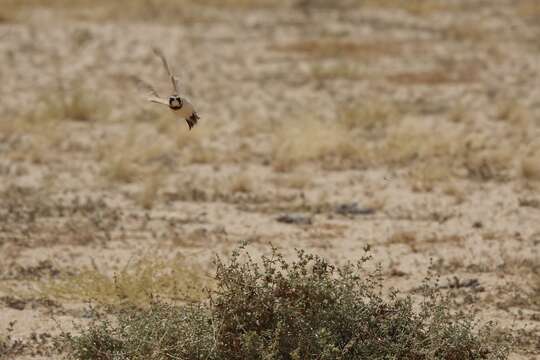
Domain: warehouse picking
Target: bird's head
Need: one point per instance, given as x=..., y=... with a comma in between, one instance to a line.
x=175, y=102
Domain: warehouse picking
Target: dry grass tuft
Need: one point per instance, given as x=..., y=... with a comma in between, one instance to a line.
x=43, y=130
x=430, y=172
x=200, y=154
x=530, y=167
x=459, y=113
x=131, y=157
x=150, y=191
x=513, y=112
x=369, y=115
x=297, y=180
x=403, y=144
x=76, y=103
x=137, y=284
x=120, y=168
x=241, y=183
x=310, y=140
x=442, y=153
x=490, y=164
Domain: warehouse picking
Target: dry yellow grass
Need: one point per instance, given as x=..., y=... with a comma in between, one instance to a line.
x=150, y=191
x=403, y=144
x=302, y=113
x=199, y=154
x=491, y=163
x=459, y=113
x=513, y=112
x=442, y=154
x=309, y=139
x=130, y=156
x=457, y=191
x=120, y=168
x=136, y=284
x=296, y=180
x=530, y=167
x=241, y=183
x=65, y=100
x=432, y=171
x=370, y=114
x=43, y=139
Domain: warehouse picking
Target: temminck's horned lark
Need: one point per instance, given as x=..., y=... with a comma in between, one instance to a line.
x=179, y=104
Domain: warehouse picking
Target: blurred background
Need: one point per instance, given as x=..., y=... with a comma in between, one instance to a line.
x=408, y=126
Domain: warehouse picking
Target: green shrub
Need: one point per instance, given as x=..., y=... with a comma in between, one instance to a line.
x=304, y=309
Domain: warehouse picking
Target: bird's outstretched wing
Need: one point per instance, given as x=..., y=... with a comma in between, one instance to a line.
x=145, y=87
x=174, y=80
x=157, y=100
x=152, y=94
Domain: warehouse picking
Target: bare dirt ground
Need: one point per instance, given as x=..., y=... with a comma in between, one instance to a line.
x=411, y=128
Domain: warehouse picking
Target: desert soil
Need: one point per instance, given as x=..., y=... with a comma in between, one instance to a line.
x=411, y=128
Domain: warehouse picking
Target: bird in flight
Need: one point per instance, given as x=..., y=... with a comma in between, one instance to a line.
x=179, y=104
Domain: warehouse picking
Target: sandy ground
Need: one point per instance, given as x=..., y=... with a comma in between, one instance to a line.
x=426, y=116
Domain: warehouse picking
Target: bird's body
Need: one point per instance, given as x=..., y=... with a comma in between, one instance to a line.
x=184, y=108
x=179, y=104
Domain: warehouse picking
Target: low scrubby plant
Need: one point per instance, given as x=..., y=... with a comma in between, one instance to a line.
x=301, y=309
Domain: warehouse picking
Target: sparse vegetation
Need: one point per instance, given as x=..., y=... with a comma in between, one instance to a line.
x=68, y=101
x=333, y=312
x=530, y=167
x=529, y=10
x=415, y=7
x=136, y=284
x=151, y=187
x=412, y=126
x=335, y=48
x=161, y=10
x=312, y=139
x=334, y=71
x=8, y=345
x=241, y=183
x=121, y=169
x=371, y=116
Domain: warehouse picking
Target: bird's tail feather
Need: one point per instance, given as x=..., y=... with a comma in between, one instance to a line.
x=192, y=120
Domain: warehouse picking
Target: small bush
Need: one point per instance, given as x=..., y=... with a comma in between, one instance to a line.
x=304, y=309
x=9, y=347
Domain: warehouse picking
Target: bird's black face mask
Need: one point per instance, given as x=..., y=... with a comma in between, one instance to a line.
x=175, y=102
